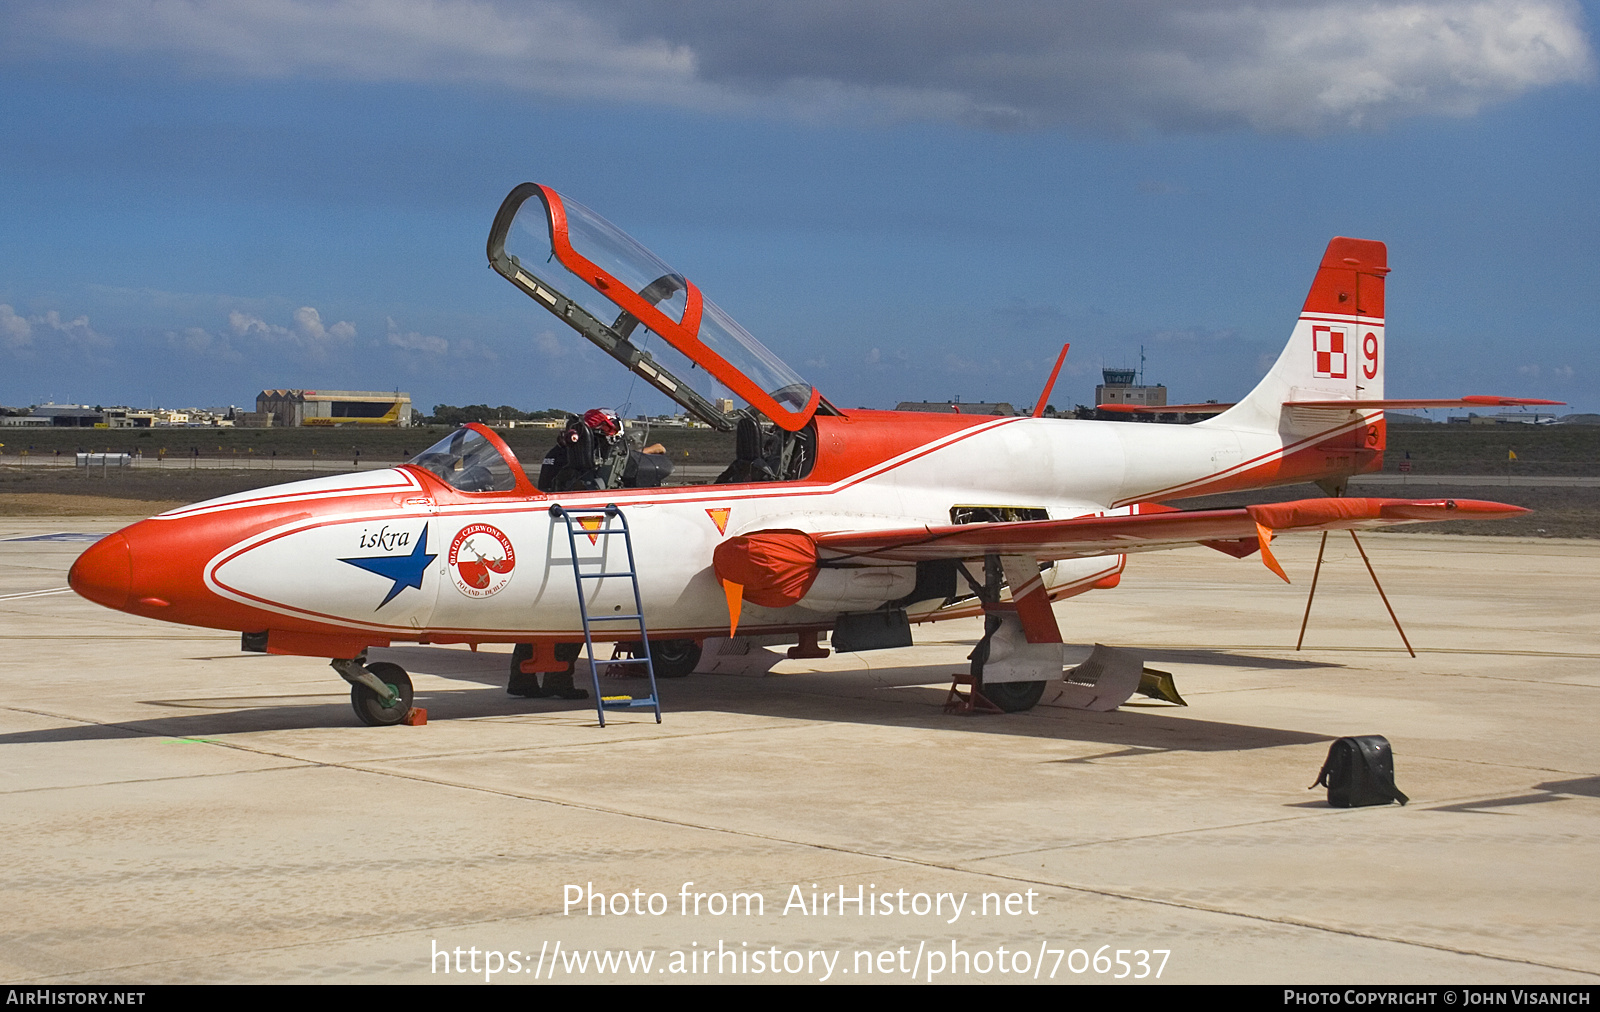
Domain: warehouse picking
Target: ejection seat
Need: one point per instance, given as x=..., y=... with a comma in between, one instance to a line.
x=753, y=453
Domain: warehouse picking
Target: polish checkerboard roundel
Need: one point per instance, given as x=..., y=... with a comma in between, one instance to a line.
x=1328, y=347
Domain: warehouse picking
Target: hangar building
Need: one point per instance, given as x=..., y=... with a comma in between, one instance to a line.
x=335, y=407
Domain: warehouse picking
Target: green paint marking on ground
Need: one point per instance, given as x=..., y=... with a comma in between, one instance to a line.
x=188, y=741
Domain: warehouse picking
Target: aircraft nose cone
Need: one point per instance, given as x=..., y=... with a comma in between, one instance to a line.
x=104, y=574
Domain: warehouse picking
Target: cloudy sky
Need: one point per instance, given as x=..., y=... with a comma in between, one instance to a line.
x=199, y=198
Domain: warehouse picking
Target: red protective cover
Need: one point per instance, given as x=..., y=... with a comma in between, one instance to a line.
x=775, y=568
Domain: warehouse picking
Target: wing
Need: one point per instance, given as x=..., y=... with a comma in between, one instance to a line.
x=776, y=568
x=1151, y=528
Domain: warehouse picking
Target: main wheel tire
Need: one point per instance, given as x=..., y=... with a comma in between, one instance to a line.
x=1014, y=697
x=371, y=709
x=674, y=658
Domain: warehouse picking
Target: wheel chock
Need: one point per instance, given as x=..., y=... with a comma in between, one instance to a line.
x=969, y=702
x=1159, y=685
x=415, y=717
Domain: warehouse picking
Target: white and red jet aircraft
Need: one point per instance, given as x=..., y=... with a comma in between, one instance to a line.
x=857, y=522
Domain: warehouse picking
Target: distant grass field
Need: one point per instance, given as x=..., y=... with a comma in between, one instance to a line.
x=1485, y=449
x=1433, y=449
x=687, y=446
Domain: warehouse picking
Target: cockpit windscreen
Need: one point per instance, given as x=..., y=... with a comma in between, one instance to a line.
x=467, y=461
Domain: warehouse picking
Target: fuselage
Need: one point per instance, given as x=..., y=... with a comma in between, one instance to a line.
x=329, y=566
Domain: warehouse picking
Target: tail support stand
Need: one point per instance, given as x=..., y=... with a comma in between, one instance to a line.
x=1385, y=597
x=573, y=519
x=1370, y=572
x=1315, y=573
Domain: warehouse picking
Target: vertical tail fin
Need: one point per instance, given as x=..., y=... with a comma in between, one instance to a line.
x=1336, y=349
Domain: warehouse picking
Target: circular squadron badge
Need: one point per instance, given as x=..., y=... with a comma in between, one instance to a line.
x=481, y=560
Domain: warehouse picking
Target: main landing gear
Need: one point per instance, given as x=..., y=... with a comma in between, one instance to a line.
x=1014, y=697
x=672, y=658
x=380, y=693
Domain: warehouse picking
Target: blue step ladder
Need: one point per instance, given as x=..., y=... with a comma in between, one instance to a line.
x=573, y=518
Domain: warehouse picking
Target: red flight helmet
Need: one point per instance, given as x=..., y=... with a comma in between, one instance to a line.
x=602, y=421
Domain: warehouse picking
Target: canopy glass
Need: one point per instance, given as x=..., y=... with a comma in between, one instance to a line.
x=606, y=285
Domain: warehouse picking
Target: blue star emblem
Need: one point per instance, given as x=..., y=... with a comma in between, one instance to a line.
x=404, y=570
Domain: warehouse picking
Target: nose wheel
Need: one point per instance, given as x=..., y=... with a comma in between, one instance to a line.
x=380, y=693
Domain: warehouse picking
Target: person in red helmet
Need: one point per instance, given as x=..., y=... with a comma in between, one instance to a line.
x=576, y=461
x=602, y=420
x=593, y=453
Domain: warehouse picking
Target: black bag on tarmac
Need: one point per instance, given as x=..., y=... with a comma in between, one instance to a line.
x=1359, y=771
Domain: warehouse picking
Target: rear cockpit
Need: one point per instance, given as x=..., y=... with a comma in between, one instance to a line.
x=601, y=282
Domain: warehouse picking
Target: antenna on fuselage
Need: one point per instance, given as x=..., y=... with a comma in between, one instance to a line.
x=1044, y=395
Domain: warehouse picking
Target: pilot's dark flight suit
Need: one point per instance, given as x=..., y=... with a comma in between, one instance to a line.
x=565, y=467
x=581, y=460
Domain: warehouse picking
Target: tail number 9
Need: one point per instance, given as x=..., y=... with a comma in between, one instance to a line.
x=1369, y=355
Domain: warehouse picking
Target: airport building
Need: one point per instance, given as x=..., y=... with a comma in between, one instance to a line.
x=1119, y=388
x=335, y=407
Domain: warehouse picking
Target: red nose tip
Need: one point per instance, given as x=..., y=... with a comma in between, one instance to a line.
x=104, y=573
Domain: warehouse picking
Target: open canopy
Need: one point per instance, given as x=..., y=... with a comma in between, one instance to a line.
x=600, y=281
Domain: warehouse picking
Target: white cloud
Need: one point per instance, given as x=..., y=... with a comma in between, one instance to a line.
x=15, y=331
x=308, y=333
x=308, y=323
x=199, y=342
x=1298, y=65
x=550, y=47
x=424, y=354
x=75, y=331
x=412, y=341
x=49, y=332
x=467, y=349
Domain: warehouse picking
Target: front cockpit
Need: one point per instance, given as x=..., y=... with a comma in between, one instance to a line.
x=601, y=282
x=468, y=461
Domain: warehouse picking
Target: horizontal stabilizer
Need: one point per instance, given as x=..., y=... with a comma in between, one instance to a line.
x=1210, y=408
x=1471, y=401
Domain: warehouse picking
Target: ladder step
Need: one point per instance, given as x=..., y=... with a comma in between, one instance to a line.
x=627, y=702
x=619, y=660
x=601, y=576
x=615, y=618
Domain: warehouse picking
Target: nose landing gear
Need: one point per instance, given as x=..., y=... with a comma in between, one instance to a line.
x=380, y=693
